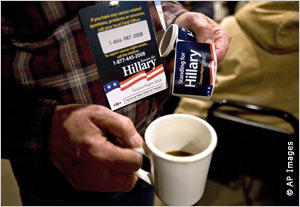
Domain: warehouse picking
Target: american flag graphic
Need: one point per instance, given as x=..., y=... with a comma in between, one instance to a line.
x=136, y=87
x=112, y=85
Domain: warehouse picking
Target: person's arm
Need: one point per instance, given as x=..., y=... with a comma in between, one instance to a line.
x=25, y=117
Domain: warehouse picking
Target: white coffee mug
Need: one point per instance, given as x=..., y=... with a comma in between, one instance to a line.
x=178, y=180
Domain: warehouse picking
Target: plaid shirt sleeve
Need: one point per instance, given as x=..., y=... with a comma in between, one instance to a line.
x=26, y=124
x=46, y=61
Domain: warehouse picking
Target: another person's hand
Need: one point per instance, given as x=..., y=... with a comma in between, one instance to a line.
x=79, y=148
x=206, y=30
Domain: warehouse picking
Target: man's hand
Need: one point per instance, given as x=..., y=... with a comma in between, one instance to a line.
x=206, y=30
x=79, y=148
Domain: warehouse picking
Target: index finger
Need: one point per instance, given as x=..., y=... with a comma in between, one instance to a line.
x=119, y=159
x=118, y=125
x=221, y=39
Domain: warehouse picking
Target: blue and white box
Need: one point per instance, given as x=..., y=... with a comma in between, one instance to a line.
x=195, y=65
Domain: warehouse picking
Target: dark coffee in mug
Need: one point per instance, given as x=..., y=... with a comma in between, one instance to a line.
x=179, y=153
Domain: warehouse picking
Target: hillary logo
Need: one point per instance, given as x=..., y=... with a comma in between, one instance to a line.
x=138, y=66
x=137, y=78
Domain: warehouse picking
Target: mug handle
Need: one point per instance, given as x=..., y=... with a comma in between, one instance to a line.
x=142, y=174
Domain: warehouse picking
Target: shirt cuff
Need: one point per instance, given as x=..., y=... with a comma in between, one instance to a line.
x=38, y=143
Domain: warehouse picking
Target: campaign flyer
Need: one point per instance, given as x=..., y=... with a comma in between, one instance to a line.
x=124, y=47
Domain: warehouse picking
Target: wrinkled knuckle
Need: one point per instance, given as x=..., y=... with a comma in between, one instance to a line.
x=194, y=20
x=225, y=33
x=97, y=109
x=88, y=141
x=204, y=28
x=92, y=106
x=126, y=122
x=194, y=15
x=89, y=111
x=91, y=150
x=208, y=28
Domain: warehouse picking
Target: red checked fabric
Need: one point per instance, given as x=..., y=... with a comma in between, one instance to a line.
x=46, y=61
